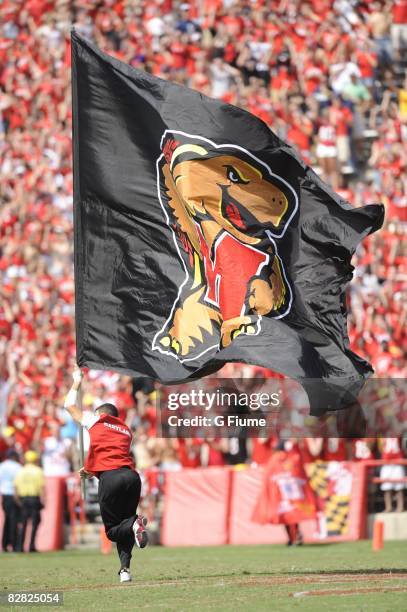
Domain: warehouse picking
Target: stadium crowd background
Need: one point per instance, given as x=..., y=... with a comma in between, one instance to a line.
x=327, y=76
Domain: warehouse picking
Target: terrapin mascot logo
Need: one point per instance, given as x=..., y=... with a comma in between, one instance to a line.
x=225, y=207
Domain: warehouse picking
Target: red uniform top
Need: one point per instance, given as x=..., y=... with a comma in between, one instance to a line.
x=233, y=267
x=110, y=441
x=390, y=449
x=334, y=449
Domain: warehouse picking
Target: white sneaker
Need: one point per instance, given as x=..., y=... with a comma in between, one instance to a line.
x=140, y=534
x=125, y=575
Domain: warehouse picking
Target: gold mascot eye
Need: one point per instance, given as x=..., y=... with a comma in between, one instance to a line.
x=234, y=176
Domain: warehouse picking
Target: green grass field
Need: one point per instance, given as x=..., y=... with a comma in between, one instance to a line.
x=319, y=577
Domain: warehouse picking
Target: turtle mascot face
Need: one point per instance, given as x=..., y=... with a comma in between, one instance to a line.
x=222, y=205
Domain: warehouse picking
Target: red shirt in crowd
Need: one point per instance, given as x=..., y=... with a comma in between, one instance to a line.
x=123, y=400
x=342, y=118
x=366, y=61
x=311, y=450
x=262, y=450
x=110, y=441
x=391, y=449
x=189, y=452
x=24, y=429
x=334, y=449
x=215, y=455
x=327, y=134
x=399, y=11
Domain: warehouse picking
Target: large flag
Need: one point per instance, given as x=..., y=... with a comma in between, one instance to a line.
x=201, y=237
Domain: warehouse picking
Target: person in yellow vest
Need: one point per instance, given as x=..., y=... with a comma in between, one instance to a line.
x=29, y=490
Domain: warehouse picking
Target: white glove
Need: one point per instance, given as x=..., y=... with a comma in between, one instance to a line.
x=77, y=375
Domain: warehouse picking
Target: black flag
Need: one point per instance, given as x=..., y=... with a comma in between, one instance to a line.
x=201, y=237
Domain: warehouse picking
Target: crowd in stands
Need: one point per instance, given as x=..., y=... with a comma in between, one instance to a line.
x=328, y=76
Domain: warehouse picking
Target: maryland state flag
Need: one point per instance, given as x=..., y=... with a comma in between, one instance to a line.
x=285, y=497
x=201, y=237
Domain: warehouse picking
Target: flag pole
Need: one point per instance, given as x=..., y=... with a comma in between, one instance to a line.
x=81, y=449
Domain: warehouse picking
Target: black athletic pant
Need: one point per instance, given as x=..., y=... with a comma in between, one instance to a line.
x=11, y=518
x=30, y=511
x=119, y=495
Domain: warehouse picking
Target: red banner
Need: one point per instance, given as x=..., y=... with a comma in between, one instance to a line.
x=212, y=506
x=196, y=507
